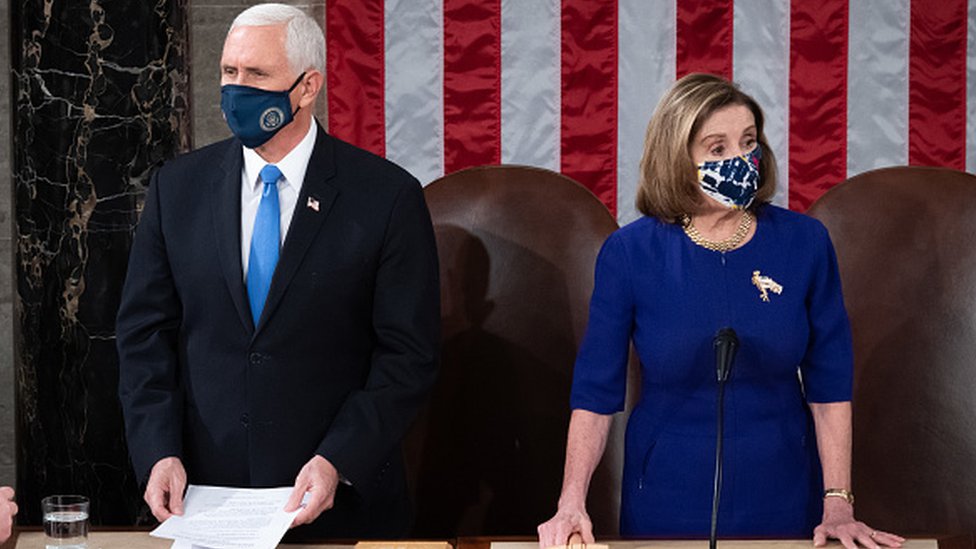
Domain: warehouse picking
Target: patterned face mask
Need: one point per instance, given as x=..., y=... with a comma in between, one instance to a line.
x=732, y=182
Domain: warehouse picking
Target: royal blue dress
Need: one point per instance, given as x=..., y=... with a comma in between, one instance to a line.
x=656, y=288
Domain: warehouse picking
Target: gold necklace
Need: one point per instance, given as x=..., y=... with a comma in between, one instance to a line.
x=729, y=243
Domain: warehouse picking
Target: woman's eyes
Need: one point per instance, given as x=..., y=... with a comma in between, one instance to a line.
x=721, y=151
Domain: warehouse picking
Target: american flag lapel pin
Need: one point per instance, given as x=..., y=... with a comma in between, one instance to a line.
x=313, y=203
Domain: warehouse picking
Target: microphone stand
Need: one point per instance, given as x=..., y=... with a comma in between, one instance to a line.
x=725, y=343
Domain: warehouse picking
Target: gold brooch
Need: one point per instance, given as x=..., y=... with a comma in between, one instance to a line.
x=764, y=283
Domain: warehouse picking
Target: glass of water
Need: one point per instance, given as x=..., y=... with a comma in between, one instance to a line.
x=65, y=522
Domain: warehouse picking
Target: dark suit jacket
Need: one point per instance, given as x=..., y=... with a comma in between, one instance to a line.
x=341, y=359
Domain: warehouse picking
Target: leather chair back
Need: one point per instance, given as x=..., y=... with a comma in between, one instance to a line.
x=517, y=250
x=906, y=244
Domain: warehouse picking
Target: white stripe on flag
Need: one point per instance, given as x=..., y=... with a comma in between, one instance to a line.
x=530, y=83
x=414, y=86
x=877, y=84
x=646, y=69
x=971, y=91
x=761, y=66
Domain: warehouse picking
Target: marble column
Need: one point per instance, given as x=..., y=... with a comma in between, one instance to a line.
x=100, y=96
x=6, y=262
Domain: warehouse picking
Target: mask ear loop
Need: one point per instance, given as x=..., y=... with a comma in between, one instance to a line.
x=297, y=80
x=292, y=88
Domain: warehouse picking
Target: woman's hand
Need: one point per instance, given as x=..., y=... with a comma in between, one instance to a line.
x=584, y=447
x=569, y=520
x=839, y=523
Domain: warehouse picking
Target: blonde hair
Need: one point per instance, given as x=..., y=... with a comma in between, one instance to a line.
x=668, y=188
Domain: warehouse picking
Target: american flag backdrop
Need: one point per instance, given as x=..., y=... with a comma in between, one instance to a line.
x=569, y=85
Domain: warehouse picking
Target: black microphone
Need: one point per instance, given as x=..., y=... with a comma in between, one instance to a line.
x=726, y=343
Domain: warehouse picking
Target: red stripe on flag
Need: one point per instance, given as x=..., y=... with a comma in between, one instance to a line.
x=704, y=37
x=472, y=83
x=937, y=84
x=818, y=99
x=589, y=96
x=354, y=67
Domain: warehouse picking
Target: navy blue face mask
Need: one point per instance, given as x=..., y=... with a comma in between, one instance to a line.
x=255, y=115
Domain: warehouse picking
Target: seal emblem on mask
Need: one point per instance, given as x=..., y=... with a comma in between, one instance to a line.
x=271, y=119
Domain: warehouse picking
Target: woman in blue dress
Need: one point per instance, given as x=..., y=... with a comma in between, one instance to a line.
x=712, y=252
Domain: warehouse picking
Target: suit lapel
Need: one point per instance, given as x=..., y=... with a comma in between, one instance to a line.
x=313, y=206
x=226, y=202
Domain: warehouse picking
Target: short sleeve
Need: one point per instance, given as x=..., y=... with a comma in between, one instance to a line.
x=600, y=374
x=827, y=367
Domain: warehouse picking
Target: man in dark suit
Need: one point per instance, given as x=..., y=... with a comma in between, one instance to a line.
x=280, y=318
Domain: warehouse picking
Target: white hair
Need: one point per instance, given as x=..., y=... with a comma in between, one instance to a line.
x=304, y=41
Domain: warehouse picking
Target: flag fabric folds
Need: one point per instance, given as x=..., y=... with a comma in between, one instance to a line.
x=569, y=85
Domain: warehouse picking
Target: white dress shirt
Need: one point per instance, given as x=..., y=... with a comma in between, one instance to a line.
x=293, y=167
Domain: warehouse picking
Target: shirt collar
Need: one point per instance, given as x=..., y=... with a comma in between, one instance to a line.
x=292, y=166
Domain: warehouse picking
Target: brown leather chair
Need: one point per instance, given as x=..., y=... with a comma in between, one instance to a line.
x=906, y=244
x=517, y=249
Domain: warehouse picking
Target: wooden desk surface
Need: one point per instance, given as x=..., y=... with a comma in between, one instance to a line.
x=32, y=539
x=947, y=542
x=125, y=540
x=703, y=544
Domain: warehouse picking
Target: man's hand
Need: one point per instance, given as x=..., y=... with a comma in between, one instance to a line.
x=7, y=511
x=164, y=491
x=319, y=479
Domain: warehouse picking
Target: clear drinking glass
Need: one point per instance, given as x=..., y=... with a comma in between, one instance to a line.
x=65, y=522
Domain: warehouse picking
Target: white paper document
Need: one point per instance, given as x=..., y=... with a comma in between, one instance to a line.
x=229, y=518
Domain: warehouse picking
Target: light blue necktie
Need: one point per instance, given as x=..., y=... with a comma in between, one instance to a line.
x=265, y=241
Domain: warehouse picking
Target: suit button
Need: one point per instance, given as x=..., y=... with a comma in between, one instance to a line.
x=245, y=420
x=255, y=359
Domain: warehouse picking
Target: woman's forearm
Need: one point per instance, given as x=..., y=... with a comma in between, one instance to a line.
x=832, y=421
x=584, y=447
